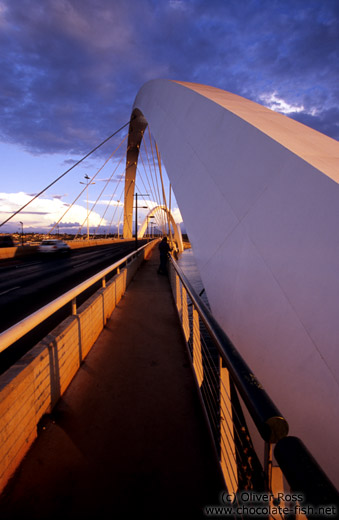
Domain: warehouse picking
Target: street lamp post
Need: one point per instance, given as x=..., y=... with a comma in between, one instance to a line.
x=118, y=220
x=136, y=215
x=148, y=218
x=22, y=233
x=87, y=184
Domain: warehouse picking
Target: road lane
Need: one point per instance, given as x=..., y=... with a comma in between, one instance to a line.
x=25, y=290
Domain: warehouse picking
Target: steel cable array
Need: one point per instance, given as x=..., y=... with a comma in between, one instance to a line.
x=150, y=178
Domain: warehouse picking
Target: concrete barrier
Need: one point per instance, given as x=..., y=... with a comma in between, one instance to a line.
x=33, y=385
x=77, y=244
x=26, y=250
x=16, y=251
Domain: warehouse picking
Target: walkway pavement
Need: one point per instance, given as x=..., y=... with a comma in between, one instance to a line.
x=128, y=437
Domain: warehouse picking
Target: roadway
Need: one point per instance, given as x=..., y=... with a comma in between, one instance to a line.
x=29, y=283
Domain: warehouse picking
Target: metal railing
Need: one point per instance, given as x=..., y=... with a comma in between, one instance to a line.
x=17, y=331
x=243, y=420
x=303, y=473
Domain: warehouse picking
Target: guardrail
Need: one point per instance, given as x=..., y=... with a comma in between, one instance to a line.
x=17, y=331
x=32, y=386
x=237, y=409
x=304, y=474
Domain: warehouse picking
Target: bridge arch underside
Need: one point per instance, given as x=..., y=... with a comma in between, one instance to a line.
x=137, y=128
x=259, y=197
x=174, y=228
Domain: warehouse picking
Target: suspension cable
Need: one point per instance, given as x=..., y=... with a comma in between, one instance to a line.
x=67, y=171
x=164, y=196
x=159, y=216
x=69, y=207
x=143, y=182
x=110, y=200
x=137, y=187
x=108, y=180
x=150, y=170
x=149, y=184
x=153, y=191
x=156, y=179
x=120, y=218
x=82, y=191
x=110, y=157
x=115, y=210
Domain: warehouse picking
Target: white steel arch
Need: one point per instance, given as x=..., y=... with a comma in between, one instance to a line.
x=176, y=227
x=259, y=197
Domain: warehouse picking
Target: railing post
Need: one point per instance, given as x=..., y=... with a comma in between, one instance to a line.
x=228, y=457
x=103, y=282
x=74, y=306
x=197, y=356
x=185, y=322
x=177, y=292
x=268, y=465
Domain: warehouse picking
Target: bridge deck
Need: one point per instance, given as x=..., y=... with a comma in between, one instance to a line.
x=128, y=436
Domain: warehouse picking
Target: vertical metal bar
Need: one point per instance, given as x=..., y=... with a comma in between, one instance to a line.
x=185, y=321
x=228, y=458
x=136, y=221
x=197, y=356
x=177, y=292
x=103, y=282
x=268, y=465
x=74, y=306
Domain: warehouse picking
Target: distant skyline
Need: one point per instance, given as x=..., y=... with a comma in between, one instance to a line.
x=71, y=70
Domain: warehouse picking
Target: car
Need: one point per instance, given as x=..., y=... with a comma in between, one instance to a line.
x=53, y=246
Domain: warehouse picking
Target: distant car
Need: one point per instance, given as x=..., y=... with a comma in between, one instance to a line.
x=6, y=241
x=53, y=246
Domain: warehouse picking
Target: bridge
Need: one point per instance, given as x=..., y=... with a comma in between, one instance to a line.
x=261, y=401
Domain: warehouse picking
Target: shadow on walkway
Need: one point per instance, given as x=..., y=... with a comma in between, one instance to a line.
x=128, y=436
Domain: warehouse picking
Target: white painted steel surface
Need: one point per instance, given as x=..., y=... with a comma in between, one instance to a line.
x=259, y=197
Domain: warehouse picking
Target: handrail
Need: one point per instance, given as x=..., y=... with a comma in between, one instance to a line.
x=271, y=424
x=304, y=474
x=9, y=336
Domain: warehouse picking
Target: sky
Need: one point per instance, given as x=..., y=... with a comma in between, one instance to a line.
x=70, y=71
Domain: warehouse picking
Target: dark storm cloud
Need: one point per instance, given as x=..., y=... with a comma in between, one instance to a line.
x=71, y=68
x=59, y=196
x=69, y=225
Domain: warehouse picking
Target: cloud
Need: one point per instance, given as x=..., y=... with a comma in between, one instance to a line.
x=108, y=179
x=59, y=196
x=42, y=214
x=177, y=215
x=71, y=69
x=104, y=202
x=279, y=105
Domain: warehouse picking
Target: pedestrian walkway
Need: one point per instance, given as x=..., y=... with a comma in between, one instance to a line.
x=128, y=436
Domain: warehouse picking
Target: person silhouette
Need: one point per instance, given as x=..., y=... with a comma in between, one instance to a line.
x=164, y=250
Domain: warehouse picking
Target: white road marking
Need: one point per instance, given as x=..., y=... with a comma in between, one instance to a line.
x=81, y=263
x=9, y=290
